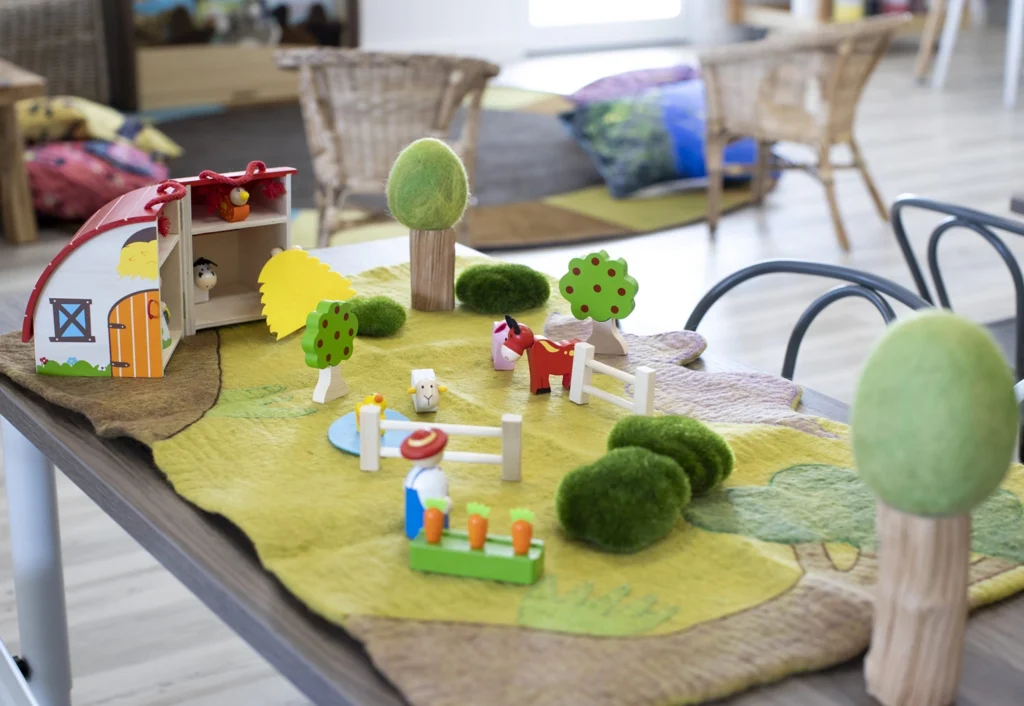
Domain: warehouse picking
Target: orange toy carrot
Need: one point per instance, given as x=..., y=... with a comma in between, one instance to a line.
x=477, y=524
x=433, y=520
x=522, y=531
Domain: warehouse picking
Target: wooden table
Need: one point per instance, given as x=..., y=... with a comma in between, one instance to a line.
x=218, y=565
x=19, y=218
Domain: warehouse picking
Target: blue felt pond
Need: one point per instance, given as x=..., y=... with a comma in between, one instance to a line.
x=344, y=435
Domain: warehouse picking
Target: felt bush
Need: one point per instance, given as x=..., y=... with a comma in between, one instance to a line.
x=502, y=289
x=934, y=418
x=704, y=455
x=427, y=187
x=378, y=316
x=623, y=502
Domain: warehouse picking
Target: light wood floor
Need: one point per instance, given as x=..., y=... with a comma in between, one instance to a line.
x=139, y=639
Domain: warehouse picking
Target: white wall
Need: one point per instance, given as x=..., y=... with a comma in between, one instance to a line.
x=500, y=30
x=492, y=29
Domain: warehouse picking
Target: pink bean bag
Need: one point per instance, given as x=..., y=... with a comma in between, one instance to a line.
x=72, y=180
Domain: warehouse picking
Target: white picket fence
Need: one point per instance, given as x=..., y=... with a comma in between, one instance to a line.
x=371, y=450
x=580, y=389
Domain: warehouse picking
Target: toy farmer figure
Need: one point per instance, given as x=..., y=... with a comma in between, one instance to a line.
x=425, y=481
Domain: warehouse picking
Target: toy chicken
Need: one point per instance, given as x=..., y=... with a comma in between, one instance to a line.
x=234, y=205
x=376, y=399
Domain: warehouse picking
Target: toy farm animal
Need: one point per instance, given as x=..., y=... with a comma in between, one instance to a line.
x=234, y=207
x=498, y=335
x=546, y=357
x=374, y=399
x=204, y=276
x=426, y=393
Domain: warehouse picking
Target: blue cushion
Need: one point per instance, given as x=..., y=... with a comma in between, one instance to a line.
x=651, y=138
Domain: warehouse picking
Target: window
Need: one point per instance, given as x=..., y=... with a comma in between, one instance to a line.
x=72, y=322
x=562, y=13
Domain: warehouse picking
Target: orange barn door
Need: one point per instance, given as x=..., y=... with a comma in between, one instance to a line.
x=134, y=323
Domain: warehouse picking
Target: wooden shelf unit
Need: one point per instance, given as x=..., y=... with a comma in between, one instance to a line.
x=780, y=17
x=215, y=224
x=165, y=246
x=239, y=249
x=175, y=340
x=223, y=309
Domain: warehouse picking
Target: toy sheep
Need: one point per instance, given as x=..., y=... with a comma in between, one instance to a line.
x=426, y=393
x=204, y=275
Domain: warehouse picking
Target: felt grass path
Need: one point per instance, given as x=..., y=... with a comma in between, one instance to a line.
x=775, y=563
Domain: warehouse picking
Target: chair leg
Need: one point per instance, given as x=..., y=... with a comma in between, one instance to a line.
x=716, y=178
x=954, y=14
x=929, y=37
x=1014, y=46
x=324, y=204
x=825, y=172
x=760, y=186
x=862, y=167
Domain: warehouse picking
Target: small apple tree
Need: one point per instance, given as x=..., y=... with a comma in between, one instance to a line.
x=329, y=339
x=600, y=289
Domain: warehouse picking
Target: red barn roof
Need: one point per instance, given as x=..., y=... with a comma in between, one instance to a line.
x=271, y=173
x=130, y=208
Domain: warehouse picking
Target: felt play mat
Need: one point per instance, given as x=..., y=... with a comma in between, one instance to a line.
x=769, y=576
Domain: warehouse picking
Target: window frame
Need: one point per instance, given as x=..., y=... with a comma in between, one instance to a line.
x=60, y=305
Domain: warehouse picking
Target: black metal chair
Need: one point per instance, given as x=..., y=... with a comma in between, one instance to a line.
x=985, y=225
x=861, y=284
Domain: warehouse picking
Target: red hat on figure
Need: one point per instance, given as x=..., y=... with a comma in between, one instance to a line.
x=423, y=443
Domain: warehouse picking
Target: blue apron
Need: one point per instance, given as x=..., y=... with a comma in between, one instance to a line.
x=414, y=510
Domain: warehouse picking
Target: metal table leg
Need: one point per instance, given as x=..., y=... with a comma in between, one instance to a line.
x=38, y=570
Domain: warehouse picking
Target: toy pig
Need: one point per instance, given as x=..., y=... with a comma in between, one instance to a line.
x=498, y=335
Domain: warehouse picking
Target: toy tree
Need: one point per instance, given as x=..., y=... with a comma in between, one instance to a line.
x=427, y=192
x=329, y=339
x=934, y=427
x=600, y=289
x=291, y=283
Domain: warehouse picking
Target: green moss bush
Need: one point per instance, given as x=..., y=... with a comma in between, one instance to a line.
x=623, y=502
x=502, y=289
x=378, y=316
x=704, y=455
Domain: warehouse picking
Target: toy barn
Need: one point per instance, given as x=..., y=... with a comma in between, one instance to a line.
x=154, y=265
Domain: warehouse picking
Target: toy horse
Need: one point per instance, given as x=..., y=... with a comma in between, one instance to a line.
x=546, y=357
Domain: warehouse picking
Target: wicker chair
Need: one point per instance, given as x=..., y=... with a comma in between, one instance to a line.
x=361, y=108
x=61, y=40
x=802, y=87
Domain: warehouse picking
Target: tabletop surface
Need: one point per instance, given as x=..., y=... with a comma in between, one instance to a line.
x=217, y=563
x=17, y=83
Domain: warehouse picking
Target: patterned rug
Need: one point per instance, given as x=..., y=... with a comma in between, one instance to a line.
x=766, y=577
x=534, y=185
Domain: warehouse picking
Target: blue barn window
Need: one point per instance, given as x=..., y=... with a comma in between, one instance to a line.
x=72, y=321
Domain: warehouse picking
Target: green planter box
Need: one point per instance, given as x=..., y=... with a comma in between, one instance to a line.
x=496, y=561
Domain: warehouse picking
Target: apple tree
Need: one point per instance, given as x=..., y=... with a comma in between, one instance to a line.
x=600, y=289
x=329, y=339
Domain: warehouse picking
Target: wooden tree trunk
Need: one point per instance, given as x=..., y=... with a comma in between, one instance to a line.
x=432, y=258
x=607, y=339
x=920, y=608
x=329, y=385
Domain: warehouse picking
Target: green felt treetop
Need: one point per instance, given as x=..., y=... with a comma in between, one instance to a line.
x=598, y=287
x=428, y=188
x=935, y=418
x=330, y=334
